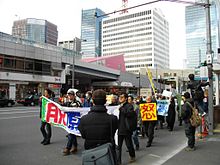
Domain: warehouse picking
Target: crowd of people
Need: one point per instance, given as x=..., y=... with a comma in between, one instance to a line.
x=128, y=124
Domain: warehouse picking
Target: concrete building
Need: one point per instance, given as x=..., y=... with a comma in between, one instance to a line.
x=37, y=30
x=91, y=33
x=196, y=33
x=143, y=38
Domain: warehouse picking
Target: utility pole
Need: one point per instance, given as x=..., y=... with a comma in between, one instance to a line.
x=209, y=65
x=73, y=68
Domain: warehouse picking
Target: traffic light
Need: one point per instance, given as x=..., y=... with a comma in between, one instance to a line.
x=203, y=63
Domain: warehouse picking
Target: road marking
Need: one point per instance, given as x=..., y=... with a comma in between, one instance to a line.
x=163, y=159
x=6, y=118
x=7, y=113
x=156, y=156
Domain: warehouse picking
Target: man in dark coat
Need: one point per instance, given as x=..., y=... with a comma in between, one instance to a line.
x=126, y=127
x=197, y=92
x=98, y=127
x=189, y=129
x=171, y=114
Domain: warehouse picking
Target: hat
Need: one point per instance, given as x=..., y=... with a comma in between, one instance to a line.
x=71, y=91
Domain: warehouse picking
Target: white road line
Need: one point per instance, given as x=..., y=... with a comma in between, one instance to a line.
x=7, y=113
x=163, y=159
x=17, y=117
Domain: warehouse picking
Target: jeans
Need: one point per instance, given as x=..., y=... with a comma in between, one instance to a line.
x=190, y=134
x=129, y=144
x=135, y=137
x=46, y=130
x=72, y=141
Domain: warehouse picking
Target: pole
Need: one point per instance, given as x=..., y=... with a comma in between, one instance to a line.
x=157, y=78
x=139, y=84
x=209, y=62
x=73, y=68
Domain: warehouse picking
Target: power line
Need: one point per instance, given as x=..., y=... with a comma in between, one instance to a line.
x=152, y=2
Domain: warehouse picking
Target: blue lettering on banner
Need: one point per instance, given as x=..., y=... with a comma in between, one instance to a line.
x=73, y=120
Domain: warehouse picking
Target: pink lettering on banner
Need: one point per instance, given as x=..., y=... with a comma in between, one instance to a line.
x=54, y=114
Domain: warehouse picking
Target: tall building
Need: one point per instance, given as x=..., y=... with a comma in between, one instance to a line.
x=91, y=32
x=36, y=30
x=195, y=18
x=142, y=37
x=74, y=44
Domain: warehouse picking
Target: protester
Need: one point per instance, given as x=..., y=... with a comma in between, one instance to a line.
x=71, y=146
x=88, y=99
x=149, y=126
x=98, y=127
x=45, y=127
x=197, y=92
x=125, y=128
x=137, y=110
x=114, y=100
x=171, y=114
x=189, y=129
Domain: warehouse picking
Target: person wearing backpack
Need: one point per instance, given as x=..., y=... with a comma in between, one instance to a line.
x=186, y=115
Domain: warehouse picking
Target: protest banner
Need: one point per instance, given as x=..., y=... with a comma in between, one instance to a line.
x=162, y=107
x=148, y=111
x=67, y=118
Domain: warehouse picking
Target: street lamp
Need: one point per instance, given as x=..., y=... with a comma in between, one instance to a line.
x=139, y=84
x=74, y=53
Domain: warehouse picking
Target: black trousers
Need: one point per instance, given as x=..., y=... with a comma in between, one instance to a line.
x=129, y=144
x=149, y=129
x=190, y=134
x=46, y=130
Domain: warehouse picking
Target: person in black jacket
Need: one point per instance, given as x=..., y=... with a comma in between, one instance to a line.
x=71, y=146
x=125, y=128
x=98, y=127
x=189, y=129
x=171, y=114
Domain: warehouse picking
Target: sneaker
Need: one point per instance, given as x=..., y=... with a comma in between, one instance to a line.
x=46, y=142
x=190, y=149
x=132, y=159
x=66, y=152
x=43, y=141
x=73, y=150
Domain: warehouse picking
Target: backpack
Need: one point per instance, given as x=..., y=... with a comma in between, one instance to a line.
x=195, y=118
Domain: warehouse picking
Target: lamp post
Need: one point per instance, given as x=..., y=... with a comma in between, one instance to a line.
x=73, y=68
x=139, y=84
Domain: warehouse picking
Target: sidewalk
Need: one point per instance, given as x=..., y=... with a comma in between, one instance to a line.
x=206, y=153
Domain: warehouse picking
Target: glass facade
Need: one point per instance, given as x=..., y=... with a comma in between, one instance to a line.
x=91, y=33
x=195, y=17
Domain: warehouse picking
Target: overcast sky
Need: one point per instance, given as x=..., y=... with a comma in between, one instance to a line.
x=66, y=14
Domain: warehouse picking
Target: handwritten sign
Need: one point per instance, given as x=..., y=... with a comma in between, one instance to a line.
x=148, y=111
x=162, y=107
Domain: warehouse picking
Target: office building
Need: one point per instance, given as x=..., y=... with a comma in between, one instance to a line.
x=196, y=43
x=142, y=37
x=37, y=30
x=91, y=32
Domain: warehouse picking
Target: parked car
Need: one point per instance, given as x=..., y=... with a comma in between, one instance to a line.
x=4, y=101
x=30, y=99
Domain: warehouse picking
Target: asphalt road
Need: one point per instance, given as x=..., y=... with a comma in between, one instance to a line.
x=20, y=139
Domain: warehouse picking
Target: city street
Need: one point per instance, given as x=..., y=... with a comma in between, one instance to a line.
x=20, y=142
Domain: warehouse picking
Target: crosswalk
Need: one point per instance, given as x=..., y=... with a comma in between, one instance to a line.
x=17, y=112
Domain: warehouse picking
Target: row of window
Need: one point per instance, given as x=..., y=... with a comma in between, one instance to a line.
x=128, y=46
x=129, y=36
x=128, y=32
x=128, y=41
x=128, y=51
x=148, y=12
x=24, y=65
x=138, y=55
x=127, y=27
x=138, y=60
x=128, y=22
x=138, y=66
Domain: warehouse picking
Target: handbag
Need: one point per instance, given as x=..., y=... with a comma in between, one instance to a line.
x=101, y=155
